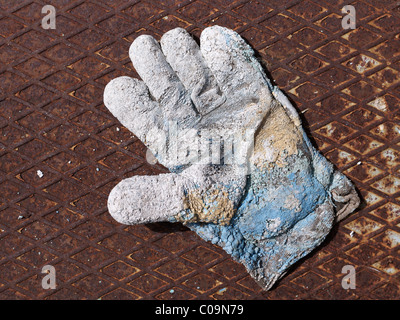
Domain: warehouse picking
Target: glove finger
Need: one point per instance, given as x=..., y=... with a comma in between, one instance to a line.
x=162, y=81
x=232, y=62
x=129, y=101
x=146, y=199
x=184, y=56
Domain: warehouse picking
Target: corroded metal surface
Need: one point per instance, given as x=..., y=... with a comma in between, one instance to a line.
x=346, y=83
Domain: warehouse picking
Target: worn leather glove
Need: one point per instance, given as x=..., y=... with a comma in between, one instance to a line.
x=243, y=173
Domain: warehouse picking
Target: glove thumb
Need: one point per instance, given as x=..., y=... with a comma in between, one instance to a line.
x=146, y=199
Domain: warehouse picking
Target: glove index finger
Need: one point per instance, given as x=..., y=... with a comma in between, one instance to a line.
x=129, y=101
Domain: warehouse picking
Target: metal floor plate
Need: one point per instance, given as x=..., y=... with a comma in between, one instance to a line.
x=61, y=151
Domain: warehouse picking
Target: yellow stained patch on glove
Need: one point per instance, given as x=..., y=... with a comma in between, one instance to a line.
x=213, y=206
x=277, y=139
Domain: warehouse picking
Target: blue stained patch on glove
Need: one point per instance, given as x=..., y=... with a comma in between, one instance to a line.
x=273, y=210
x=278, y=198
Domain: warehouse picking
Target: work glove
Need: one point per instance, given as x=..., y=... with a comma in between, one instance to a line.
x=243, y=173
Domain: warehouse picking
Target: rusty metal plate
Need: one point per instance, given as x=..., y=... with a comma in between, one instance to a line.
x=61, y=151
